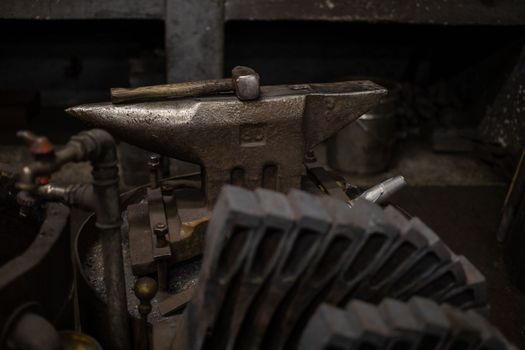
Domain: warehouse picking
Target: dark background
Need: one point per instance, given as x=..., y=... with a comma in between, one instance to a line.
x=453, y=72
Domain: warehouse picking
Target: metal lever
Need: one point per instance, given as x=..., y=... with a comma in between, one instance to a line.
x=244, y=82
x=145, y=289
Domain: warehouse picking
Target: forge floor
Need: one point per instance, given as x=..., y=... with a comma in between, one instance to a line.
x=466, y=218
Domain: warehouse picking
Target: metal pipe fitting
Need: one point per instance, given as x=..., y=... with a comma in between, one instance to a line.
x=102, y=196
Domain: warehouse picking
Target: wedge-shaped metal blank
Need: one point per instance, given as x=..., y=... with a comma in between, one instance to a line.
x=442, y=280
x=336, y=247
x=374, y=330
x=235, y=218
x=463, y=332
x=271, y=260
x=331, y=328
x=406, y=331
x=419, y=324
x=378, y=236
x=470, y=295
x=312, y=224
x=421, y=265
x=265, y=249
x=402, y=254
x=434, y=321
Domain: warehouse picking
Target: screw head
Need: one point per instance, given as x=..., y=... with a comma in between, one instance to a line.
x=154, y=161
x=160, y=229
x=167, y=189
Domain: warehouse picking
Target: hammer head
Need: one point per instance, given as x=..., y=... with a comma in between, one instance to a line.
x=260, y=143
x=246, y=83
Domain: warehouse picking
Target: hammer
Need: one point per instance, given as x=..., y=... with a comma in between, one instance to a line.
x=244, y=82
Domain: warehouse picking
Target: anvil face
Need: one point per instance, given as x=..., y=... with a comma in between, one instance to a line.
x=250, y=143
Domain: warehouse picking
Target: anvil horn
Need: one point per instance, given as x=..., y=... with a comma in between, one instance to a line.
x=224, y=134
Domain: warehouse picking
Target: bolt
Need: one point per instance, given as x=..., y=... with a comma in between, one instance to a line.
x=161, y=230
x=167, y=189
x=310, y=157
x=154, y=168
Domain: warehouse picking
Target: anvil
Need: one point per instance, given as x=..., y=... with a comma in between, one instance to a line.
x=260, y=143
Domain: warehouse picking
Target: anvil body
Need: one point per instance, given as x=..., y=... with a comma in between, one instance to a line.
x=258, y=143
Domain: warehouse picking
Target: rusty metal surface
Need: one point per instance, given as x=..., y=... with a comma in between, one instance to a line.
x=240, y=142
x=261, y=283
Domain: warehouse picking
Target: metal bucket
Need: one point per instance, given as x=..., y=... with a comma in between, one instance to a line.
x=365, y=146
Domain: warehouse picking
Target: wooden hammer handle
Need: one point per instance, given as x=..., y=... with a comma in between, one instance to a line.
x=167, y=91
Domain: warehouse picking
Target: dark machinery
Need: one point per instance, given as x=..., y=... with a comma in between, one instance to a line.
x=248, y=269
x=271, y=260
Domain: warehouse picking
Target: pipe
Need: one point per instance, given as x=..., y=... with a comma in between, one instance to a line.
x=102, y=196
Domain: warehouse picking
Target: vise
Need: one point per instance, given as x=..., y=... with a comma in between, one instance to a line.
x=255, y=143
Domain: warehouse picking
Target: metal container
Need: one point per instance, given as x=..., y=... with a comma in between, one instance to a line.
x=365, y=146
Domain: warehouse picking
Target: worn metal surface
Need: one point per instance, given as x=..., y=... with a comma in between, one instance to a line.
x=240, y=142
x=233, y=224
x=263, y=276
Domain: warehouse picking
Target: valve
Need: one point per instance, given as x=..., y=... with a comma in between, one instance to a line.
x=41, y=149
